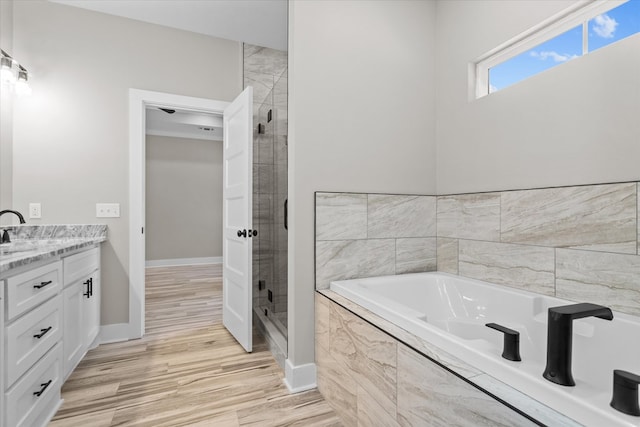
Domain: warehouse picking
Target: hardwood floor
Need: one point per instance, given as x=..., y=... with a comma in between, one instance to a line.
x=187, y=370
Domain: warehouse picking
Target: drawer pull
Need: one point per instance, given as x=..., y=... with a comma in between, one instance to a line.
x=42, y=333
x=89, y=284
x=42, y=284
x=44, y=387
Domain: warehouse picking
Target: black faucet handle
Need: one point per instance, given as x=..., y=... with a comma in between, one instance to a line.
x=5, y=236
x=625, y=392
x=511, y=346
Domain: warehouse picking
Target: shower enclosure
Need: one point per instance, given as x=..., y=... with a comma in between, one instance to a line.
x=270, y=216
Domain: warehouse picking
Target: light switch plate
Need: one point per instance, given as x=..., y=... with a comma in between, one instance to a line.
x=35, y=210
x=107, y=210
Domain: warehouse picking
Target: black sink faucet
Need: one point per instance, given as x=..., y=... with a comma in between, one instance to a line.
x=560, y=337
x=20, y=217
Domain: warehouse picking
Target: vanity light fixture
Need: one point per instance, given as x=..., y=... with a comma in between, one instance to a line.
x=22, y=85
x=8, y=67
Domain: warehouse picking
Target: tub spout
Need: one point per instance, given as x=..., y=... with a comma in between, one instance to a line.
x=560, y=338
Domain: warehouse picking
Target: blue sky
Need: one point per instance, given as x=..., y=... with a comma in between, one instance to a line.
x=604, y=29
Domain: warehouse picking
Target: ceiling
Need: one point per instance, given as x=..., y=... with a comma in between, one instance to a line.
x=258, y=22
x=183, y=124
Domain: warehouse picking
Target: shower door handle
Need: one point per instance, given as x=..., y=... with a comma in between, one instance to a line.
x=286, y=214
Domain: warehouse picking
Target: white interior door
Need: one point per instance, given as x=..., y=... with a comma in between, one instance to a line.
x=236, y=218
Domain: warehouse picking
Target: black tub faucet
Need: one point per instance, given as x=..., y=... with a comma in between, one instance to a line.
x=20, y=217
x=625, y=392
x=511, y=342
x=560, y=337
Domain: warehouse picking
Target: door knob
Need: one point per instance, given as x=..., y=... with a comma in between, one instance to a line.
x=242, y=233
x=253, y=233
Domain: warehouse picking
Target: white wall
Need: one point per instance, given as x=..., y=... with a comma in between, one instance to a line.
x=574, y=124
x=6, y=118
x=183, y=198
x=361, y=118
x=71, y=135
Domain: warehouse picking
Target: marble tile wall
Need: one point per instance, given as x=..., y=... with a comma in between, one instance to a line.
x=364, y=235
x=579, y=243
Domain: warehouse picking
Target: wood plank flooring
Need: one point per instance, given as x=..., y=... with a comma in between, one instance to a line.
x=187, y=370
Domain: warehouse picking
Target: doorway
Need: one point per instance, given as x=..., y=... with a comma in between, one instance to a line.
x=183, y=187
x=139, y=102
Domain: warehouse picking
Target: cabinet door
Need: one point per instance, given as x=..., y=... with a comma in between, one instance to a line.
x=91, y=310
x=73, y=344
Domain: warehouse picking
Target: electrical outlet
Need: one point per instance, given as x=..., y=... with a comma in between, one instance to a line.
x=35, y=210
x=107, y=210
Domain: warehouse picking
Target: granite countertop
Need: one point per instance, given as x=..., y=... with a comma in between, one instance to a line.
x=30, y=244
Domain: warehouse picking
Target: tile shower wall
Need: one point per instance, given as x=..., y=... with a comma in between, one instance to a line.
x=363, y=235
x=578, y=243
x=266, y=70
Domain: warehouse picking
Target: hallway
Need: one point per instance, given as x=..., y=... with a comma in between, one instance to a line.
x=187, y=370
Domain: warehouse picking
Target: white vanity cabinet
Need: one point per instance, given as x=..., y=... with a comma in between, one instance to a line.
x=49, y=318
x=32, y=354
x=81, y=296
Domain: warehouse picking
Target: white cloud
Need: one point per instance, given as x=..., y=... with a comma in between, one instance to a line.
x=557, y=57
x=604, y=26
x=492, y=88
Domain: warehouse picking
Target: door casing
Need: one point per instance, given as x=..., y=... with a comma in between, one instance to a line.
x=139, y=100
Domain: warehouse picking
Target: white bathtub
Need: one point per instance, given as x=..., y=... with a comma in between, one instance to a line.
x=450, y=312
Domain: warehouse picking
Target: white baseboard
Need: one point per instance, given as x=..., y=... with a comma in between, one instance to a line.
x=183, y=261
x=116, y=332
x=299, y=378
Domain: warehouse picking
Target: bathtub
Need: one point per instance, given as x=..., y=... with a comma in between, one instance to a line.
x=450, y=312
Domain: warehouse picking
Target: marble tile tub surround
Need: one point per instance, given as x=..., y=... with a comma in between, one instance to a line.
x=364, y=235
x=415, y=382
x=579, y=243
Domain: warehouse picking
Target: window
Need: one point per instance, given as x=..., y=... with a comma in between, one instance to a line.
x=616, y=24
x=573, y=33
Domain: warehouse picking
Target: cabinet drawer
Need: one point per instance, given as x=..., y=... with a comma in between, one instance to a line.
x=33, y=399
x=31, y=336
x=80, y=265
x=33, y=287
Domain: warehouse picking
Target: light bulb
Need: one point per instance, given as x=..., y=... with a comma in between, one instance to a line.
x=22, y=86
x=6, y=70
